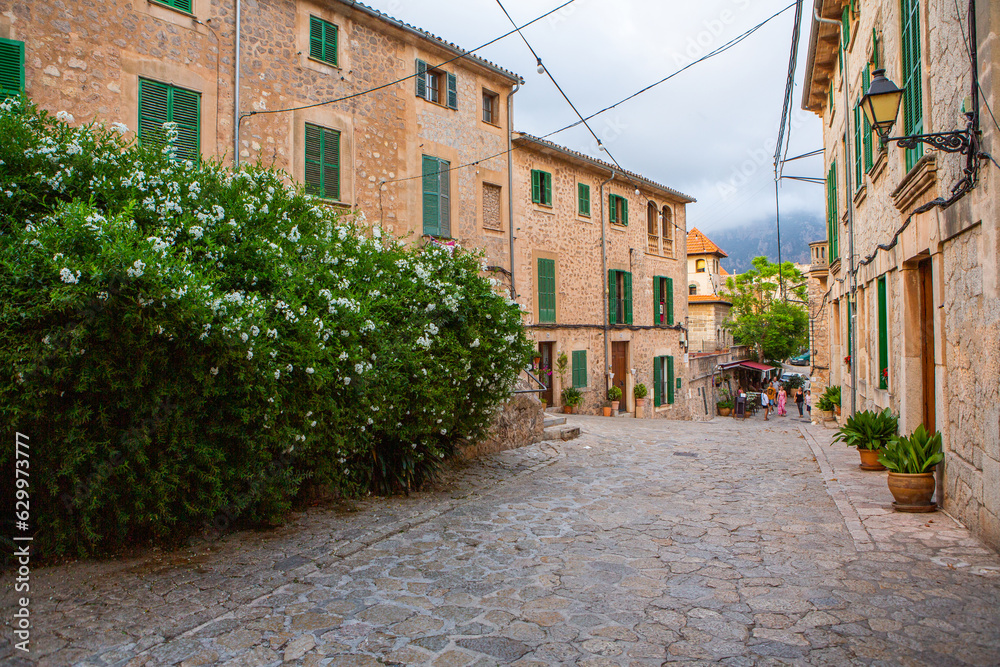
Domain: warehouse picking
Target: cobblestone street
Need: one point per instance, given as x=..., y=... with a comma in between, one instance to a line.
x=641, y=542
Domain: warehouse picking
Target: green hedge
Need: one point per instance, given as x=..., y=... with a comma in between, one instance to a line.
x=188, y=346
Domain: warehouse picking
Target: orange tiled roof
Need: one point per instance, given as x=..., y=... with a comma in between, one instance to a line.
x=722, y=271
x=699, y=244
x=707, y=298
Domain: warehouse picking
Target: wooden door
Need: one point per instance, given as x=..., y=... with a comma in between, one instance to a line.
x=927, y=344
x=619, y=366
x=546, y=351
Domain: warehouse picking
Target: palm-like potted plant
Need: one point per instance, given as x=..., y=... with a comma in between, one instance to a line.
x=911, y=464
x=571, y=398
x=870, y=432
x=614, y=395
x=725, y=403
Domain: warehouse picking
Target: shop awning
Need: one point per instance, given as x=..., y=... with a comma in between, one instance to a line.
x=749, y=365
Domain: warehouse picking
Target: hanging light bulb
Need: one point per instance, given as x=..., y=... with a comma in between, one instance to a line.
x=637, y=193
x=541, y=67
x=601, y=147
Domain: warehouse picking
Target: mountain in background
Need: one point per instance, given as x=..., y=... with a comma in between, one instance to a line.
x=759, y=238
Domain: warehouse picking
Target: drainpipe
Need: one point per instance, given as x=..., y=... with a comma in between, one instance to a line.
x=510, y=184
x=236, y=93
x=604, y=268
x=848, y=167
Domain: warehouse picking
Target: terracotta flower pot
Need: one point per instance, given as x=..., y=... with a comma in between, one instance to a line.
x=869, y=459
x=614, y=406
x=724, y=412
x=837, y=408
x=913, y=492
x=639, y=402
x=568, y=409
x=607, y=411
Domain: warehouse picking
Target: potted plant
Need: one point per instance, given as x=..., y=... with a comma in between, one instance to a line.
x=829, y=402
x=724, y=405
x=870, y=432
x=640, y=392
x=911, y=464
x=615, y=396
x=571, y=398
x=607, y=408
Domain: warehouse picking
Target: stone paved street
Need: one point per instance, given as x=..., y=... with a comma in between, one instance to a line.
x=637, y=544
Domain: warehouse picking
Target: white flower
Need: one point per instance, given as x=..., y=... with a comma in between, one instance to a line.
x=347, y=380
x=244, y=337
x=120, y=128
x=68, y=276
x=343, y=356
x=214, y=371
x=137, y=268
x=277, y=375
x=359, y=368
x=65, y=117
x=249, y=354
x=289, y=368
x=310, y=370
x=196, y=232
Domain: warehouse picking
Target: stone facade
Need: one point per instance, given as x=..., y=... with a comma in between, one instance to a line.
x=559, y=232
x=708, y=309
x=819, y=318
x=941, y=283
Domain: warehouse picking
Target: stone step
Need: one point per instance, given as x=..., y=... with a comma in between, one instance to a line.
x=561, y=433
x=553, y=421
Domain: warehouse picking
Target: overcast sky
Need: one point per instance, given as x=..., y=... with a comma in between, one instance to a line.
x=710, y=132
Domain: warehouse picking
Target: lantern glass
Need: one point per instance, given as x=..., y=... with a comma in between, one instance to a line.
x=881, y=103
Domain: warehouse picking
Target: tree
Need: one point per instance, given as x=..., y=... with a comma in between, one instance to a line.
x=766, y=310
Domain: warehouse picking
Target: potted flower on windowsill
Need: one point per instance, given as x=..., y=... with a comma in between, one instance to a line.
x=911, y=463
x=571, y=398
x=870, y=432
x=615, y=396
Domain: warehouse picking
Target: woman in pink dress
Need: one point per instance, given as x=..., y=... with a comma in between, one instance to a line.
x=782, y=398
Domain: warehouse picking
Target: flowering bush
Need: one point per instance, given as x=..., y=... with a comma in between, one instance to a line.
x=183, y=342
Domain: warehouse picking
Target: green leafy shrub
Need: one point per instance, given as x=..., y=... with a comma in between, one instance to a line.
x=917, y=454
x=187, y=346
x=572, y=397
x=868, y=429
x=640, y=391
x=830, y=399
x=615, y=393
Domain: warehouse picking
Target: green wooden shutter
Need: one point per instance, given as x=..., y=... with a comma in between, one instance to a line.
x=670, y=380
x=547, y=188
x=859, y=175
x=670, y=300
x=583, y=196
x=883, y=334
x=869, y=162
x=612, y=301
x=657, y=319
x=331, y=165
x=421, y=78
x=580, y=369
x=850, y=330
x=876, y=49
x=452, y=91
x=11, y=67
x=913, y=117
x=154, y=111
x=546, y=290
x=657, y=381
x=183, y=5
x=536, y=186
x=628, y=297
x=313, y=160
x=186, y=113
x=832, y=221
x=625, y=211
x=444, y=187
x=432, y=196
x=845, y=20
x=612, y=211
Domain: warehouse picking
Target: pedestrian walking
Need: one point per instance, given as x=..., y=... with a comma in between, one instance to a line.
x=800, y=399
x=765, y=402
x=809, y=401
x=782, y=400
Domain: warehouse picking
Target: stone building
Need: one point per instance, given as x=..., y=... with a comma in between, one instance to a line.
x=819, y=320
x=600, y=270
x=708, y=308
x=918, y=329
x=426, y=156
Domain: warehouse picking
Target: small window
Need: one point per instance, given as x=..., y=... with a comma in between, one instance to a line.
x=618, y=210
x=322, y=163
x=663, y=301
x=619, y=297
x=692, y=289
x=181, y=5
x=700, y=266
x=583, y=197
x=11, y=67
x=437, y=86
x=663, y=381
x=322, y=40
x=491, y=107
x=652, y=219
x=161, y=103
x=541, y=187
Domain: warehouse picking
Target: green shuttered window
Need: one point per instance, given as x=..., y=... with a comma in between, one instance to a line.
x=322, y=40
x=869, y=162
x=322, y=162
x=618, y=210
x=832, y=216
x=619, y=297
x=541, y=187
x=913, y=112
x=437, y=196
x=663, y=301
x=883, y=335
x=161, y=103
x=546, y=290
x=579, y=369
x=859, y=176
x=663, y=381
x=429, y=81
x=11, y=67
x=182, y=5
x=583, y=199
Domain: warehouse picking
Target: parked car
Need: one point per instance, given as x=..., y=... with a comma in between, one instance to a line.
x=801, y=360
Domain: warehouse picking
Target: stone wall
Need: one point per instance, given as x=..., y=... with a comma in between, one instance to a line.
x=956, y=248
x=518, y=424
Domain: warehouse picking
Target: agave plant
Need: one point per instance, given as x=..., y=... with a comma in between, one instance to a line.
x=917, y=454
x=868, y=429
